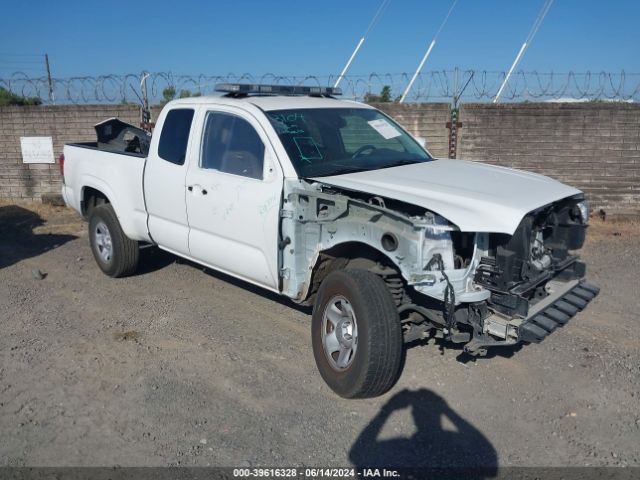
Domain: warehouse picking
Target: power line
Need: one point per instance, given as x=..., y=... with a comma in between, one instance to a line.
x=445, y=19
x=536, y=25
x=383, y=6
x=378, y=15
x=21, y=54
x=428, y=52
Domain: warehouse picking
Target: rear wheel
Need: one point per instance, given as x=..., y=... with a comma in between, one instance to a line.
x=115, y=253
x=356, y=334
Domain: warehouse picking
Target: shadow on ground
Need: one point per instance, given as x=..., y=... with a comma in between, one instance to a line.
x=442, y=345
x=275, y=297
x=442, y=439
x=153, y=259
x=17, y=239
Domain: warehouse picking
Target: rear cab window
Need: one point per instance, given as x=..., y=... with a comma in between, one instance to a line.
x=174, y=137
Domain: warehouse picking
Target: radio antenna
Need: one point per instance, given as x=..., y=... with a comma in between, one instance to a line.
x=536, y=25
x=383, y=6
x=426, y=55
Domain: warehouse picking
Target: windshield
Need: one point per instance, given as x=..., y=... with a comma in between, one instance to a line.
x=333, y=141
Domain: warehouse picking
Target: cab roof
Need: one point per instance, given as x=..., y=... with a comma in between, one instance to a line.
x=273, y=102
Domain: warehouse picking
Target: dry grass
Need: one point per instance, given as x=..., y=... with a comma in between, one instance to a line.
x=616, y=228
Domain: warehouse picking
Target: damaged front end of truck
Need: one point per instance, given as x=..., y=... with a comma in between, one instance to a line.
x=481, y=289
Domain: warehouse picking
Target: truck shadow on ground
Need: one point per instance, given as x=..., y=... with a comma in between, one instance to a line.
x=506, y=351
x=443, y=442
x=17, y=239
x=153, y=259
x=236, y=282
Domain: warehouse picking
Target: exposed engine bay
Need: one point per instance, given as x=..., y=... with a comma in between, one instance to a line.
x=517, y=266
x=477, y=288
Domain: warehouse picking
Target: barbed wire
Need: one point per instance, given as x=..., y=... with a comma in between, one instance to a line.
x=432, y=86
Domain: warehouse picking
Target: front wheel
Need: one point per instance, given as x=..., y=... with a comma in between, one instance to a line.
x=356, y=334
x=115, y=253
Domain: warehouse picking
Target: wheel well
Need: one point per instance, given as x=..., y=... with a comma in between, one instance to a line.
x=348, y=255
x=91, y=198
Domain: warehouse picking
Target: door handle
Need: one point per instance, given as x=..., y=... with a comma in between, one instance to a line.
x=200, y=189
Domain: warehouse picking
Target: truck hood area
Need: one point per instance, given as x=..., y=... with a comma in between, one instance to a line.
x=476, y=197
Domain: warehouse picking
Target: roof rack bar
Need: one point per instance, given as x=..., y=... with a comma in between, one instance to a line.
x=238, y=89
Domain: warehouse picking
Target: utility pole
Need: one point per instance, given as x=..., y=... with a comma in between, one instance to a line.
x=145, y=111
x=454, y=125
x=376, y=17
x=52, y=97
x=534, y=29
x=508, y=76
x=346, y=67
x=418, y=70
x=426, y=55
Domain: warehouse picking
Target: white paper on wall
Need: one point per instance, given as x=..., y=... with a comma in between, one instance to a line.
x=37, y=150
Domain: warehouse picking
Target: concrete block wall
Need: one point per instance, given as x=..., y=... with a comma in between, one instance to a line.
x=65, y=124
x=425, y=120
x=594, y=147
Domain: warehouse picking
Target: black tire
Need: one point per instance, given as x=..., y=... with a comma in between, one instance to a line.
x=376, y=362
x=125, y=253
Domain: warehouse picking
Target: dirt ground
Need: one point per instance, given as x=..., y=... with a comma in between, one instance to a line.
x=182, y=366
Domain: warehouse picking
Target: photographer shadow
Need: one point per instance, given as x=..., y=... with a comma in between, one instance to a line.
x=443, y=441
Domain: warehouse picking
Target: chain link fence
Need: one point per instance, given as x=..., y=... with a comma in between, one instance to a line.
x=432, y=86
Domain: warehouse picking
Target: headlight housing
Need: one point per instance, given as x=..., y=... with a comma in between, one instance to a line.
x=583, y=207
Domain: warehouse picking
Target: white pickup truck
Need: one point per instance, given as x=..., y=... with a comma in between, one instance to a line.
x=333, y=204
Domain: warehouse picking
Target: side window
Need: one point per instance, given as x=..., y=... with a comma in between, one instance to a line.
x=175, y=135
x=230, y=144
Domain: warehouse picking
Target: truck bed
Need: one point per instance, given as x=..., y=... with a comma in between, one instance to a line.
x=117, y=174
x=106, y=148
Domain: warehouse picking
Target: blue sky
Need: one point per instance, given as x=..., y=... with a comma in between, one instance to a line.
x=313, y=37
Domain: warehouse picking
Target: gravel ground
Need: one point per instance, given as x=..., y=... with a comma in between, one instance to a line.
x=180, y=366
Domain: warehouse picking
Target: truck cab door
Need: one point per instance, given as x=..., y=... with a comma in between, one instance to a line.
x=234, y=190
x=164, y=182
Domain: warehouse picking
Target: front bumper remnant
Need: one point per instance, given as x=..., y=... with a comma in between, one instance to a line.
x=546, y=317
x=564, y=301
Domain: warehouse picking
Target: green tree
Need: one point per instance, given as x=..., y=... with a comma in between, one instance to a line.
x=10, y=98
x=385, y=94
x=169, y=93
x=185, y=94
x=383, y=97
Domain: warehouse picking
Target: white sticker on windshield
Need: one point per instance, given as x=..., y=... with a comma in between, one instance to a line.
x=384, y=128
